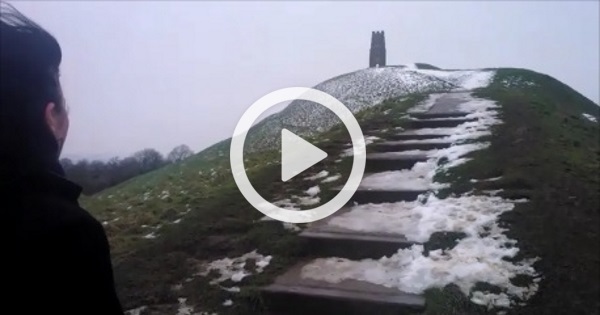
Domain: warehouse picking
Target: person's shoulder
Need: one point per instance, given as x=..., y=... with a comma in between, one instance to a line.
x=48, y=214
x=74, y=217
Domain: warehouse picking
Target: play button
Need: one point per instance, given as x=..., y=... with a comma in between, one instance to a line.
x=297, y=155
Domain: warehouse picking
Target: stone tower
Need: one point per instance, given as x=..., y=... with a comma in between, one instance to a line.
x=377, y=52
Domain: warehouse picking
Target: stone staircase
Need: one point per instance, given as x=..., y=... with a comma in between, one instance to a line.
x=292, y=294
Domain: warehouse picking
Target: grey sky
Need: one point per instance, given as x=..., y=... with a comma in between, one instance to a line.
x=158, y=74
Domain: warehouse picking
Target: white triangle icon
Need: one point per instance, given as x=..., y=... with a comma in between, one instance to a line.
x=297, y=155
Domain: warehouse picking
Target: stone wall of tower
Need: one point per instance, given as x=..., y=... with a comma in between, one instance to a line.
x=377, y=52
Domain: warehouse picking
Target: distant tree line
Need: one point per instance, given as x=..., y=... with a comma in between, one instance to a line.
x=95, y=176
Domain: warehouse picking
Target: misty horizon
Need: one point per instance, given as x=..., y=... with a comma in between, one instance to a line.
x=159, y=74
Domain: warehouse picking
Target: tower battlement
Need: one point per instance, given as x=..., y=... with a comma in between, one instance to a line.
x=377, y=51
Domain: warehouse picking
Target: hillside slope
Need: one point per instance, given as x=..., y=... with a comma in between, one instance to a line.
x=167, y=226
x=359, y=90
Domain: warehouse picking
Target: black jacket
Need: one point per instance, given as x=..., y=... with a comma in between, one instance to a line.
x=58, y=254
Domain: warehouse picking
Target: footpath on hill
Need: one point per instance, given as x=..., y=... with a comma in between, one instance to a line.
x=400, y=238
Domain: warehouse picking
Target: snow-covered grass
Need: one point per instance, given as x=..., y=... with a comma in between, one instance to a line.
x=590, y=117
x=463, y=79
x=234, y=268
x=480, y=256
x=516, y=81
x=360, y=90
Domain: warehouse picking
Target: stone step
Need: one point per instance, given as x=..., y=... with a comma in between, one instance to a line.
x=325, y=240
x=362, y=196
x=353, y=245
x=378, y=162
x=429, y=115
x=396, y=146
x=438, y=123
x=294, y=295
x=412, y=136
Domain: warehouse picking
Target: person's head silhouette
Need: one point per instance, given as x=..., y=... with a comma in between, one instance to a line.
x=33, y=117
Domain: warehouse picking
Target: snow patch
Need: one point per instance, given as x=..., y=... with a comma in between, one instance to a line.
x=150, y=236
x=332, y=178
x=493, y=179
x=232, y=289
x=233, y=268
x=228, y=303
x=308, y=201
x=184, y=309
x=136, y=311
x=291, y=227
x=286, y=204
x=516, y=81
x=590, y=117
x=313, y=191
x=371, y=139
x=319, y=175
x=164, y=195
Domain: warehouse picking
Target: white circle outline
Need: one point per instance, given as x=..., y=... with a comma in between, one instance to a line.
x=236, y=154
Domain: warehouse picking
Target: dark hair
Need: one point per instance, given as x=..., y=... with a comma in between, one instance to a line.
x=29, y=79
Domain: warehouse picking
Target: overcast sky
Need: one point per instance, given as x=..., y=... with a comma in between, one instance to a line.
x=152, y=74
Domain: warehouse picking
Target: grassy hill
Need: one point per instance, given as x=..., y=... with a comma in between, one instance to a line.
x=165, y=225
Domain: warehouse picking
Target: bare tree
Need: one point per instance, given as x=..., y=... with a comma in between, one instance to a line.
x=149, y=159
x=95, y=176
x=180, y=153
